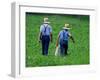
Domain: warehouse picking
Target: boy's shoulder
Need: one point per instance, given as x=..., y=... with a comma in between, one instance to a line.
x=46, y=25
x=61, y=32
x=64, y=31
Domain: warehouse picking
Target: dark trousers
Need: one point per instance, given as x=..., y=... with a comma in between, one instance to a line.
x=63, y=48
x=45, y=44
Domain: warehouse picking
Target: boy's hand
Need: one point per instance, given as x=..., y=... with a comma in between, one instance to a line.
x=39, y=40
x=73, y=41
x=51, y=40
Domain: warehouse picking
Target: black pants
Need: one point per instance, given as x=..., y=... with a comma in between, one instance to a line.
x=63, y=48
x=45, y=44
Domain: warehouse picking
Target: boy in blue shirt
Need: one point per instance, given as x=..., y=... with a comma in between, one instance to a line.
x=45, y=36
x=63, y=39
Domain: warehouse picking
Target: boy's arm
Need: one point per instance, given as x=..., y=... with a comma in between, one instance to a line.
x=40, y=33
x=40, y=36
x=51, y=37
x=71, y=37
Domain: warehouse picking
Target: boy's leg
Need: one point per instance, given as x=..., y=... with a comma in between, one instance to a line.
x=47, y=44
x=62, y=49
x=66, y=48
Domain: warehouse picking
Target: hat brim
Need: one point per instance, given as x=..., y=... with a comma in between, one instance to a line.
x=46, y=22
x=66, y=28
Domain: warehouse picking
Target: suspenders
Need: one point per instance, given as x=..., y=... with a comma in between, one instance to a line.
x=45, y=29
x=64, y=35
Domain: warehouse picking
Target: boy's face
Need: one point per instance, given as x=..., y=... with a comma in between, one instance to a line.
x=66, y=29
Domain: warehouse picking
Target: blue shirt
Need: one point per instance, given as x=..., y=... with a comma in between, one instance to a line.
x=64, y=35
x=45, y=29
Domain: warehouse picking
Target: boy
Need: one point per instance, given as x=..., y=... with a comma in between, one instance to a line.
x=45, y=36
x=63, y=39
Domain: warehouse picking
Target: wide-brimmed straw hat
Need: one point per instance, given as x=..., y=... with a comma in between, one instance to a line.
x=46, y=20
x=66, y=26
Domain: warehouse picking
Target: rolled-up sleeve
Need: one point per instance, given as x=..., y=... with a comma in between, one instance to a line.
x=69, y=34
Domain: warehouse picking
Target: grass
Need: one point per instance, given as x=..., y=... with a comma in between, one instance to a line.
x=78, y=52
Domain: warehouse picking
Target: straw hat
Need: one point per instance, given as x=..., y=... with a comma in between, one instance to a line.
x=46, y=20
x=66, y=26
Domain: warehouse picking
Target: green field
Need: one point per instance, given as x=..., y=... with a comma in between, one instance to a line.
x=78, y=51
